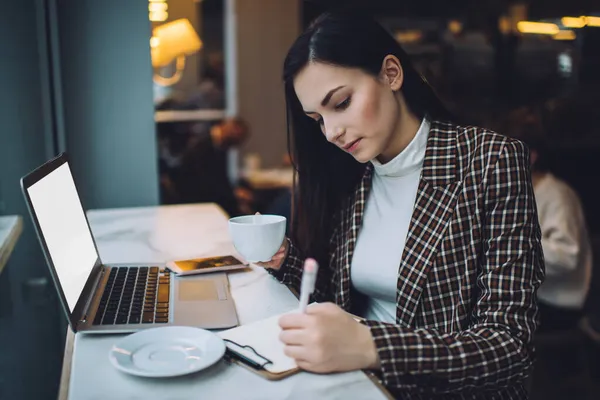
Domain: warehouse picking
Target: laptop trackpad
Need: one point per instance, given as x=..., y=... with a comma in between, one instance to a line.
x=198, y=290
x=203, y=301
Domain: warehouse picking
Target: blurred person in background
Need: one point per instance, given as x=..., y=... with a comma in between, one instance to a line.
x=197, y=171
x=194, y=157
x=565, y=239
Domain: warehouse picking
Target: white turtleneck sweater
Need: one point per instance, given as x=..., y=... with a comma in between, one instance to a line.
x=376, y=260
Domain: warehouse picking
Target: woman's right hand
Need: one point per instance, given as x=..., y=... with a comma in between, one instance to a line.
x=277, y=260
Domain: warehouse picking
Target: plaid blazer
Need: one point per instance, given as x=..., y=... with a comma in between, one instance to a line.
x=467, y=281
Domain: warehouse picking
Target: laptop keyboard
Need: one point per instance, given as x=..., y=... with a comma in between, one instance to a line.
x=135, y=295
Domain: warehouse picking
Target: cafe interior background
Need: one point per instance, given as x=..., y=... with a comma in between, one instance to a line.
x=129, y=88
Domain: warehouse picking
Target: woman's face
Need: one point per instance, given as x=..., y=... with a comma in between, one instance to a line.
x=356, y=111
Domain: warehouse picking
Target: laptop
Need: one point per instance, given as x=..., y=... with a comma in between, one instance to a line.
x=117, y=298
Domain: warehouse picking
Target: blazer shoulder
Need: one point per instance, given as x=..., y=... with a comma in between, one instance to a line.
x=479, y=149
x=484, y=142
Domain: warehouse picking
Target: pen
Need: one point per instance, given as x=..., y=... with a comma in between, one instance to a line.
x=307, y=287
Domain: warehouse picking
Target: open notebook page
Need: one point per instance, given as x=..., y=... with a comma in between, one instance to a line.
x=263, y=336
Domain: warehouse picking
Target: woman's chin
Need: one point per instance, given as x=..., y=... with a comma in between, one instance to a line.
x=363, y=156
x=362, y=160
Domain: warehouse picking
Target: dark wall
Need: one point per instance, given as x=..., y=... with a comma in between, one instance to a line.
x=106, y=76
x=95, y=101
x=30, y=325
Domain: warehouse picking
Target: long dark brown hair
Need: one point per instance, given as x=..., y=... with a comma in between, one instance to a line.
x=326, y=176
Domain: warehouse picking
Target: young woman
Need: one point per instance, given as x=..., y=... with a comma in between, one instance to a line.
x=425, y=228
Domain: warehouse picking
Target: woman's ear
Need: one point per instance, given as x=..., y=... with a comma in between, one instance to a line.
x=391, y=72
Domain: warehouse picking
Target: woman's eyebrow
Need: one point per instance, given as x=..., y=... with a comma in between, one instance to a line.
x=326, y=98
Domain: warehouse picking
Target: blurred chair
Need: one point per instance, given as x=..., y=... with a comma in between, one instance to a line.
x=590, y=326
x=568, y=362
x=561, y=368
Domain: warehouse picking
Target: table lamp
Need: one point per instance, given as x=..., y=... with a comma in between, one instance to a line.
x=173, y=41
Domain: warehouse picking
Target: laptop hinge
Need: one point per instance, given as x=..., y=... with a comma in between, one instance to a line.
x=88, y=304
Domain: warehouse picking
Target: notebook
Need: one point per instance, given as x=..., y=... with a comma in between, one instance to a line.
x=257, y=347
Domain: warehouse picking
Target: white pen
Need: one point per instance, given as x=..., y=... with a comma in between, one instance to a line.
x=307, y=287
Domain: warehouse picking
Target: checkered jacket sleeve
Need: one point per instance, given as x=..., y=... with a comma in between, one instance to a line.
x=290, y=274
x=493, y=351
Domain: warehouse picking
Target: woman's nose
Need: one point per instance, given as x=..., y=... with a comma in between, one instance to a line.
x=333, y=133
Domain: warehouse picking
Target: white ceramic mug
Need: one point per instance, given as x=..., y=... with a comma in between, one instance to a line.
x=257, y=237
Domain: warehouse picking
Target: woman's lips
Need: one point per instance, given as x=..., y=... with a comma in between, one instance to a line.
x=351, y=147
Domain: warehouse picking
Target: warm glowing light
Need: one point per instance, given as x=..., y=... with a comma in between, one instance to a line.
x=504, y=24
x=541, y=28
x=592, y=21
x=158, y=10
x=152, y=7
x=455, y=26
x=565, y=35
x=573, y=22
x=174, y=39
x=158, y=16
x=409, y=36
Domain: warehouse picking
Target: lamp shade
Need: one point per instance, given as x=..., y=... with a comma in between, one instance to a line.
x=173, y=39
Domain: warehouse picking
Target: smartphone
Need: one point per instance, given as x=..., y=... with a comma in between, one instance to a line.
x=205, y=265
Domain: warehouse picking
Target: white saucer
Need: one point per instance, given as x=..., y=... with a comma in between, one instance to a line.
x=167, y=351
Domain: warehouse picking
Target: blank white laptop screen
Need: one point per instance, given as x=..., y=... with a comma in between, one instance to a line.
x=63, y=224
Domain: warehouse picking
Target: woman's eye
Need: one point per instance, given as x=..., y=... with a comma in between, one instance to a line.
x=343, y=105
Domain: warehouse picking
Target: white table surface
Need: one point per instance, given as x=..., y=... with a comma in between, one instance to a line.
x=11, y=227
x=157, y=234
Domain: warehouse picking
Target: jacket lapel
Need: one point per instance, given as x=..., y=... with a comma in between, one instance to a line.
x=351, y=224
x=434, y=205
x=436, y=199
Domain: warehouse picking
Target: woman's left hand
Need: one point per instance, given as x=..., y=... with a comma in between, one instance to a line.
x=327, y=339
